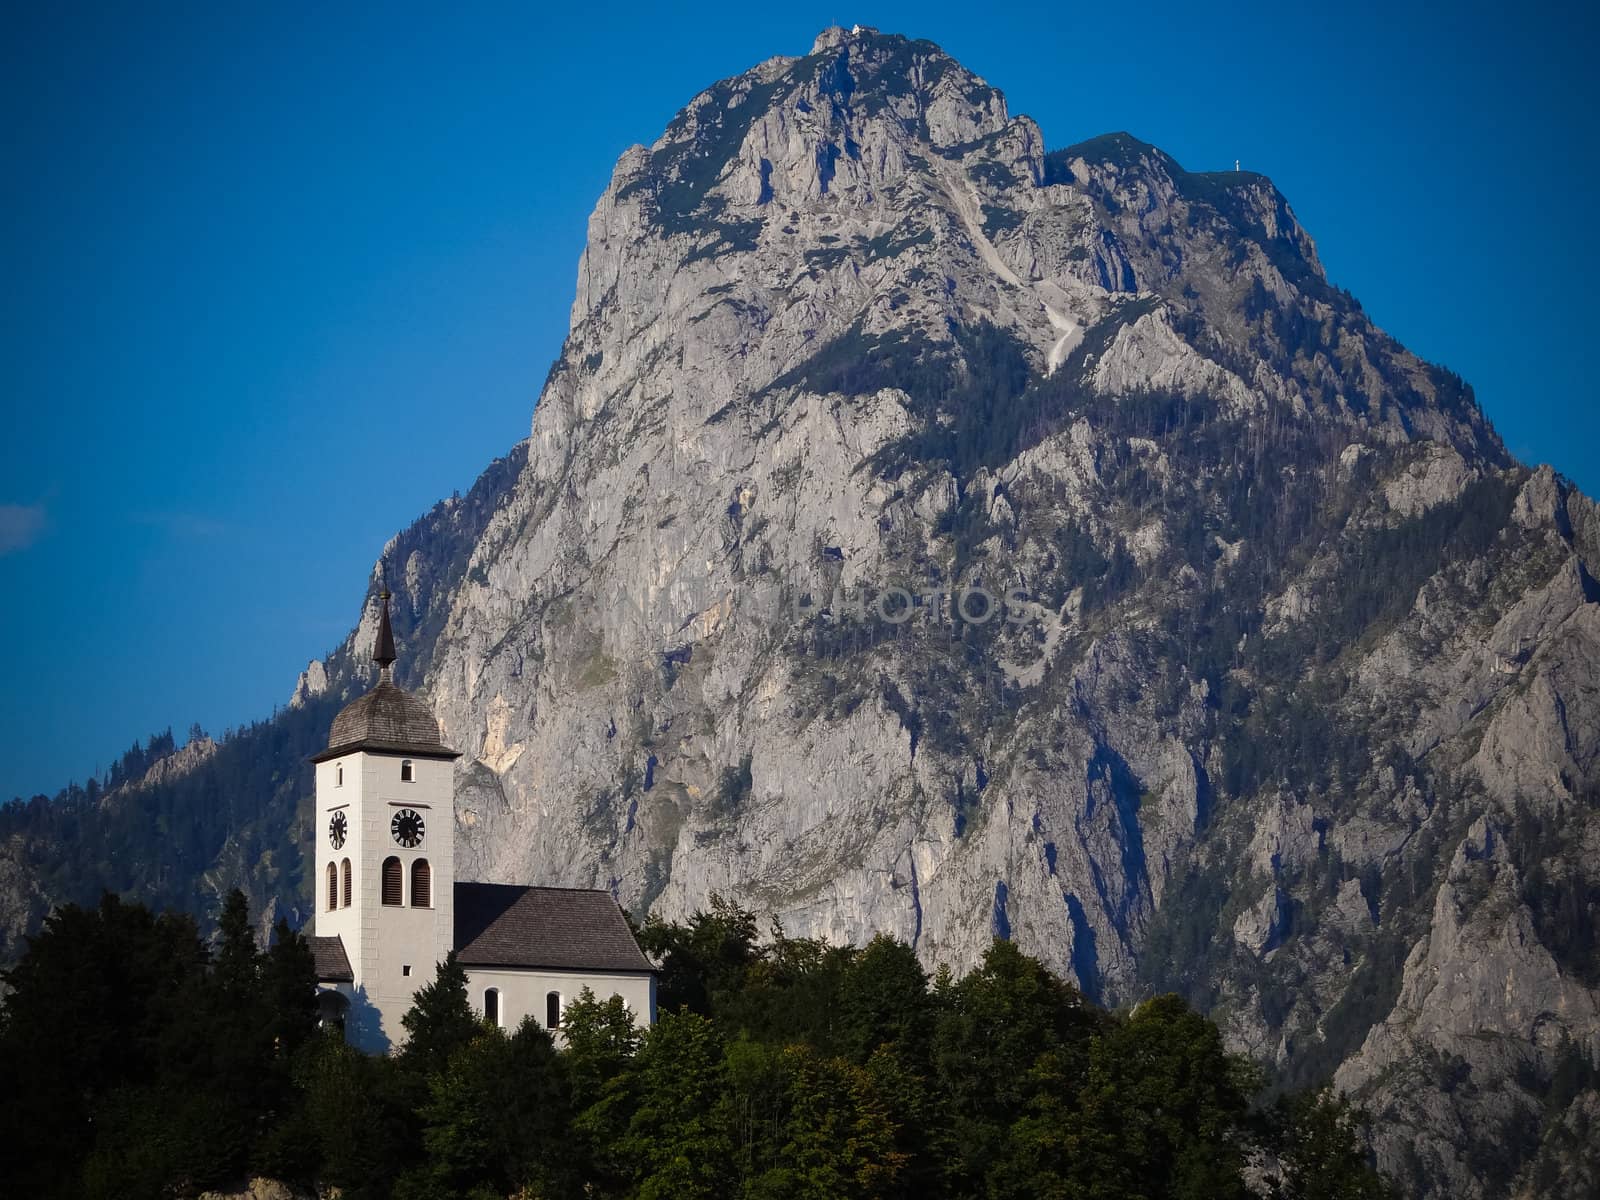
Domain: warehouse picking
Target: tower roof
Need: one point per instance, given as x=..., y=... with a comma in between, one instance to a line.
x=388, y=719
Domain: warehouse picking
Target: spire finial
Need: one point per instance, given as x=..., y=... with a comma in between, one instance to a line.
x=383, y=651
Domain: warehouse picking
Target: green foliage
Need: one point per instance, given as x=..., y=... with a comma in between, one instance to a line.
x=601, y=1043
x=858, y=364
x=497, y=1117
x=1381, y=576
x=1164, y=1109
x=806, y=1125
x=680, y=1137
x=702, y=959
x=1316, y=1137
x=149, y=1062
x=790, y=1069
x=285, y=970
x=883, y=1003
x=1369, y=998
x=994, y=1025
x=360, y=1112
x=440, y=1021
x=970, y=415
x=998, y=219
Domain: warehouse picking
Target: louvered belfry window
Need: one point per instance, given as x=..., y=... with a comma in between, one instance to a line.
x=346, y=868
x=392, y=881
x=421, y=884
x=333, y=887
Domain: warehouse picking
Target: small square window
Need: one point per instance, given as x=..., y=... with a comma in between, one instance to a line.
x=406, y=969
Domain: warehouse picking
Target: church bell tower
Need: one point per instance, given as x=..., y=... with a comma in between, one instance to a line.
x=385, y=836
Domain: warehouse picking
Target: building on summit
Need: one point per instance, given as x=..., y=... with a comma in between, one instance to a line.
x=389, y=907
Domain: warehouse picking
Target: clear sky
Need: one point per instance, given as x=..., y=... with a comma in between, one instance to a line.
x=279, y=279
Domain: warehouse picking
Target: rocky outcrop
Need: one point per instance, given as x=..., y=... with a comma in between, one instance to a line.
x=180, y=762
x=1483, y=1012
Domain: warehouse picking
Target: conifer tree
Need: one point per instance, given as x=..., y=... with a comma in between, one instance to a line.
x=440, y=1021
x=289, y=989
x=238, y=959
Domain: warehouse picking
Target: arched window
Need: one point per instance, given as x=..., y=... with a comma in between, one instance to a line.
x=406, y=775
x=333, y=887
x=345, y=867
x=491, y=1005
x=392, y=881
x=338, y=775
x=421, y=884
x=552, y=1010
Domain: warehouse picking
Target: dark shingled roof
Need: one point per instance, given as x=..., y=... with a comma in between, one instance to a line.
x=333, y=965
x=505, y=925
x=387, y=718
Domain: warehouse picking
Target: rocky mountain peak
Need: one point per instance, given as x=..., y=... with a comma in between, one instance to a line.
x=877, y=188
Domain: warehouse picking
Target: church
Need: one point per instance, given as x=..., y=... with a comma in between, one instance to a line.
x=389, y=907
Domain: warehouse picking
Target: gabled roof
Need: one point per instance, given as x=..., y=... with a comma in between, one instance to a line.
x=330, y=960
x=570, y=929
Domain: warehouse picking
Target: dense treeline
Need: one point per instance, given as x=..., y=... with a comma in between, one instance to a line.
x=145, y=1065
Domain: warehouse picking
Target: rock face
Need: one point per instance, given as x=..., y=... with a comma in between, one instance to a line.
x=925, y=533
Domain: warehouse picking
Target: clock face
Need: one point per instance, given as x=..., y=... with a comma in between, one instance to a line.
x=407, y=828
x=337, y=828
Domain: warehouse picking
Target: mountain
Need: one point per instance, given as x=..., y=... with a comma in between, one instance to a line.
x=1289, y=700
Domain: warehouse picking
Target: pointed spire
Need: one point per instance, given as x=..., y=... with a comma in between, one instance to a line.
x=383, y=651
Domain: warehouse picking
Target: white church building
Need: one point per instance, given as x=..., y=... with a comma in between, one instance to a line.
x=389, y=907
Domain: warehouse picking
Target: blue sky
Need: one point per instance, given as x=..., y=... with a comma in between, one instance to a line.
x=280, y=279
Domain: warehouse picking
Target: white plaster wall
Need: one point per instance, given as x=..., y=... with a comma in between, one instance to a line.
x=341, y=922
x=380, y=941
x=522, y=993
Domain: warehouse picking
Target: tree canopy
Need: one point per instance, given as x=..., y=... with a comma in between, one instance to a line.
x=779, y=1068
